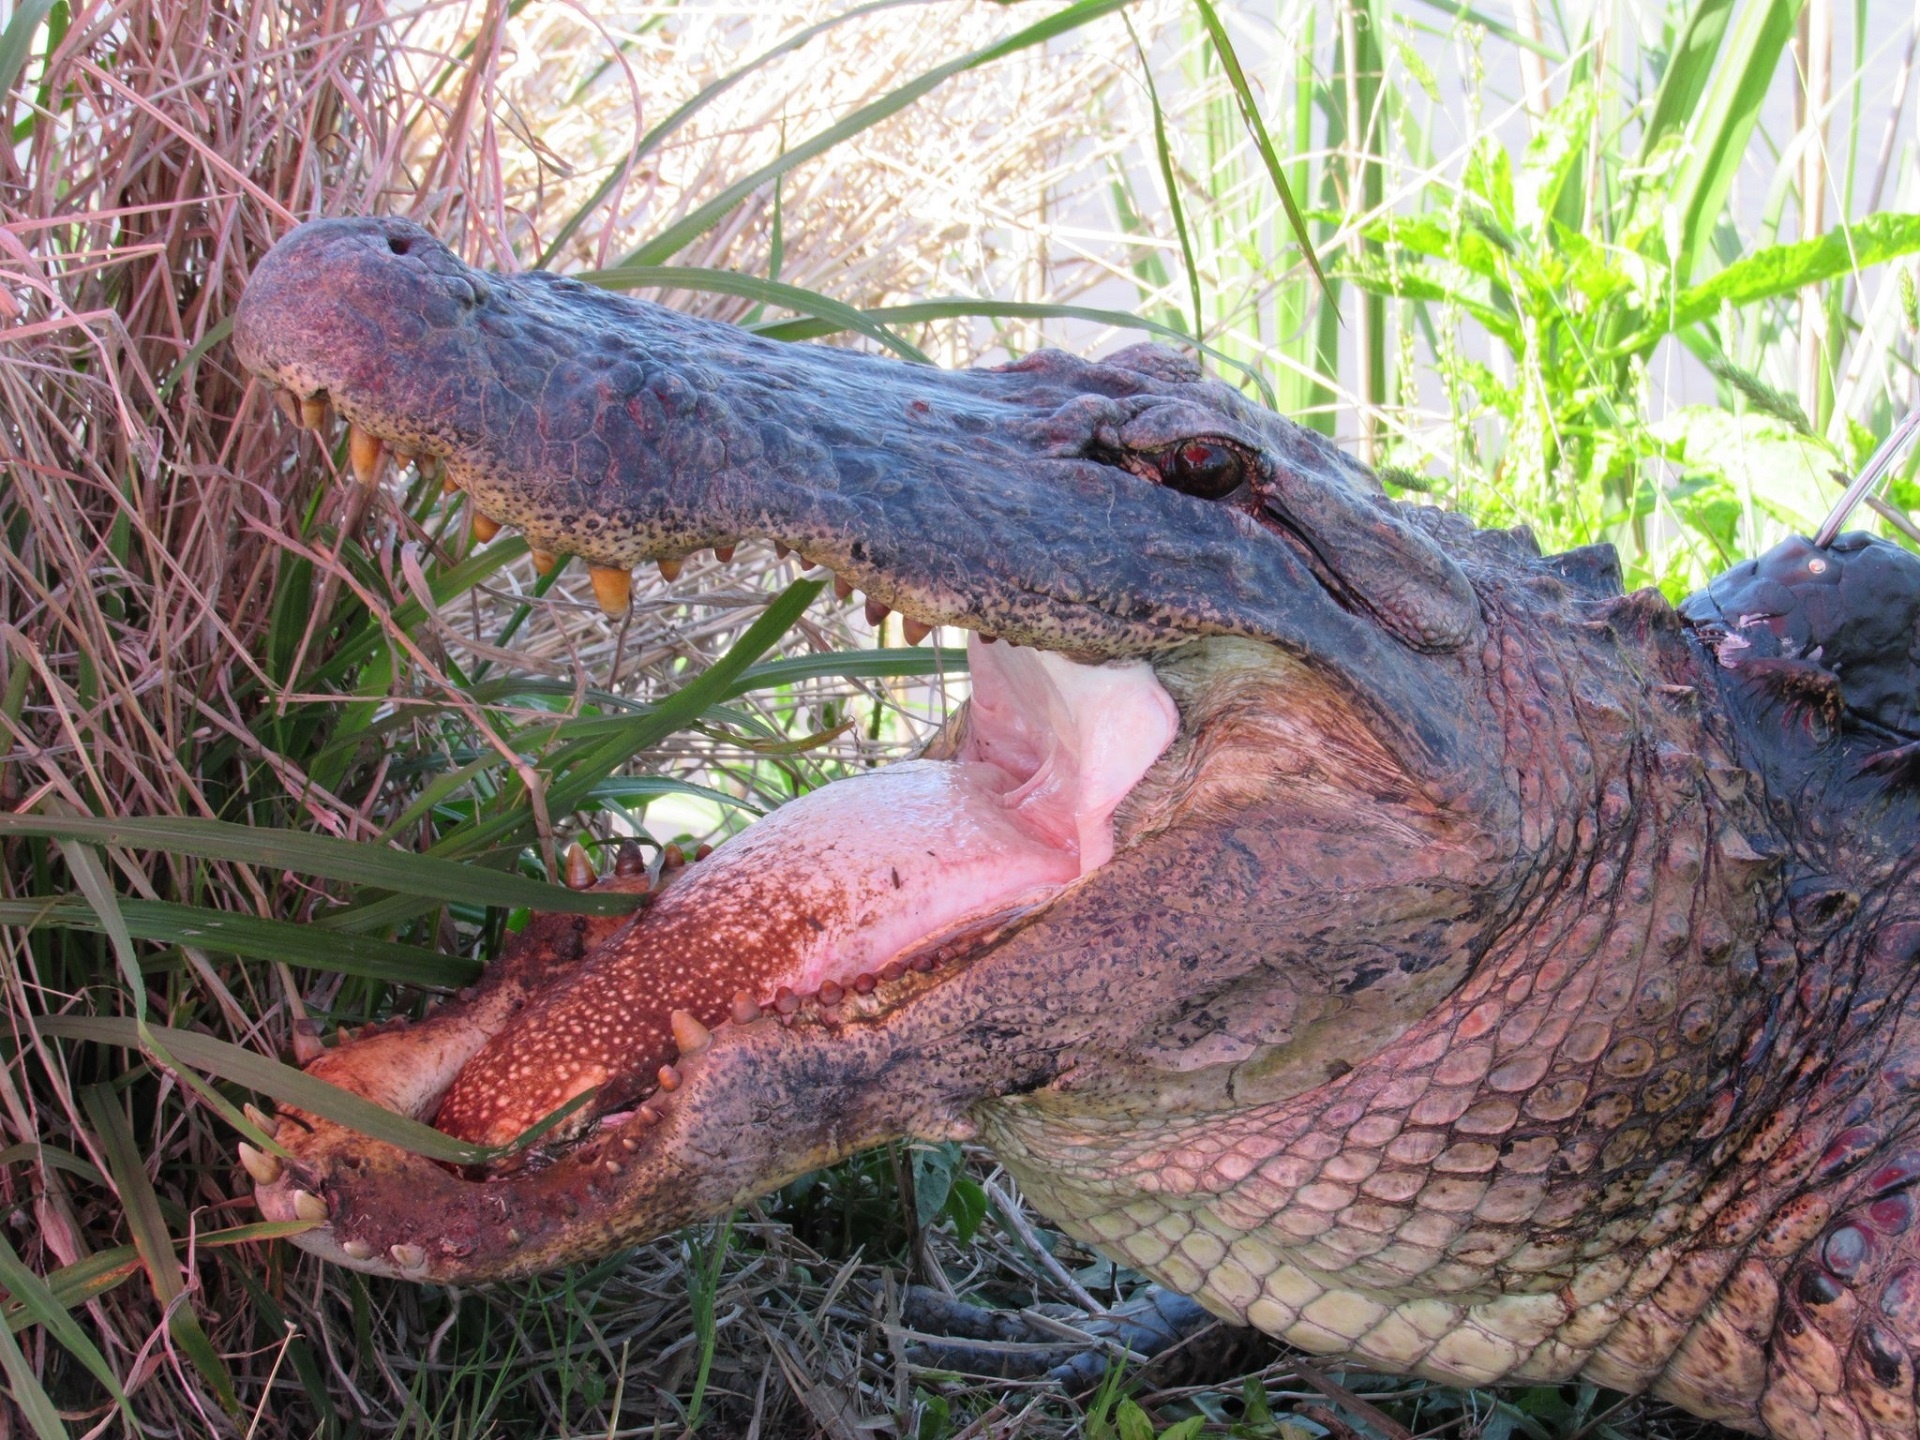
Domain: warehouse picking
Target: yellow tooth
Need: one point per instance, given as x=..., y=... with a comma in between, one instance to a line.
x=364, y=450
x=448, y=485
x=544, y=561
x=485, y=527
x=314, y=412
x=289, y=404
x=356, y=1249
x=266, y=1122
x=408, y=1257
x=914, y=630
x=580, y=873
x=404, y=458
x=669, y=570
x=688, y=1033
x=612, y=587
x=309, y=1206
x=264, y=1168
x=306, y=1043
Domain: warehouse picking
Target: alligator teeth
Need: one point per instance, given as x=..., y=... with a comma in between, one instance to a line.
x=544, y=561
x=264, y=1168
x=843, y=589
x=580, y=873
x=669, y=1079
x=408, y=1257
x=688, y=1033
x=914, y=630
x=629, y=861
x=309, y=1206
x=289, y=404
x=485, y=527
x=364, y=451
x=314, y=412
x=723, y=553
x=986, y=639
x=746, y=1009
x=831, y=993
x=306, y=1043
x=877, y=612
x=780, y=552
x=672, y=857
x=669, y=570
x=785, y=1001
x=863, y=983
x=702, y=850
x=356, y=1249
x=267, y=1124
x=448, y=485
x=612, y=587
x=404, y=458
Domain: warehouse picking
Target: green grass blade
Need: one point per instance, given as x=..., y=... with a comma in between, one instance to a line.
x=152, y=1239
x=1689, y=69
x=27, y=1391
x=231, y=933
x=1250, y=116
x=698, y=102
x=1163, y=152
x=683, y=232
x=957, y=308
x=41, y=1308
x=269, y=1077
x=322, y=855
x=1723, y=123
x=751, y=287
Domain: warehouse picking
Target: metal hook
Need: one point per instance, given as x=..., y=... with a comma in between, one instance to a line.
x=1869, y=477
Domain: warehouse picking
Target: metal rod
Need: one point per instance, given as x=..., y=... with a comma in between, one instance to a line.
x=1870, y=476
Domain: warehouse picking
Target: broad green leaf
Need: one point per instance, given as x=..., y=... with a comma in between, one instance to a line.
x=345, y=860
x=1783, y=269
x=16, y=43
x=229, y=933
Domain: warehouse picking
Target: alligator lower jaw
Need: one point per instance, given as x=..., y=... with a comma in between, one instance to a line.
x=837, y=895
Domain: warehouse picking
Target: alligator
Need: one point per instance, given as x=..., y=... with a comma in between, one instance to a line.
x=1394, y=938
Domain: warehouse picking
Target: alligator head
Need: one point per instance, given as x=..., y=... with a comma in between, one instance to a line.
x=1401, y=941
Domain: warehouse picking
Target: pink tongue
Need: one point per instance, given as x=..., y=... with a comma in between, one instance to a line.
x=844, y=879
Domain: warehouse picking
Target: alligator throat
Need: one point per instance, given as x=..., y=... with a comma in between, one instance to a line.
x=841, y=884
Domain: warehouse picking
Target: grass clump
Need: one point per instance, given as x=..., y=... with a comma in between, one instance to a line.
x=255, y=712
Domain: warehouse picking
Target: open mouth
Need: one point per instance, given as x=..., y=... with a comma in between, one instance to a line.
x=840, y=891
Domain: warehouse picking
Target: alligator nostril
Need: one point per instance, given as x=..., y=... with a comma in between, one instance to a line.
x=399, y=244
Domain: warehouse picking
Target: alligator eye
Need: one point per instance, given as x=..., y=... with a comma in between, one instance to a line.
x=1203, y=468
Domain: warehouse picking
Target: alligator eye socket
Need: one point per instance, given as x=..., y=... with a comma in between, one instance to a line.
x=1203, y=468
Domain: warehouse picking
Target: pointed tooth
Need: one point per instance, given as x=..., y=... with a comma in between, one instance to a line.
x=672, y=857
x=306, y=1043
x=364, y=450
x=986, y=639
x=580, y=872
x=702, y=850
x=264, y=1168
x=914, y=630
x=723, y=553
x=448, y=485
x=877, y=612
x=842, y=589
x=629, y=862
x=267, y=1124
x=785, y=1001
x=408, y=1257
x=309, y=1206
x=831, y=992
x=544, y=561
x=780, y=552
x=356, y=1249
x=688, y=1033
x=669, y=1079
x=612, y=587
x=289, y=404
x=404, y=458
x=670, y=569
x=315, y=412
x=746, y=1009
x=485, y=527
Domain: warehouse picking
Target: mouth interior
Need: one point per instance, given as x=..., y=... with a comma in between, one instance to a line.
x=832, y=891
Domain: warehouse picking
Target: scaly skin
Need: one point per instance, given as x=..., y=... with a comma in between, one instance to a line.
x=1498, y=978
